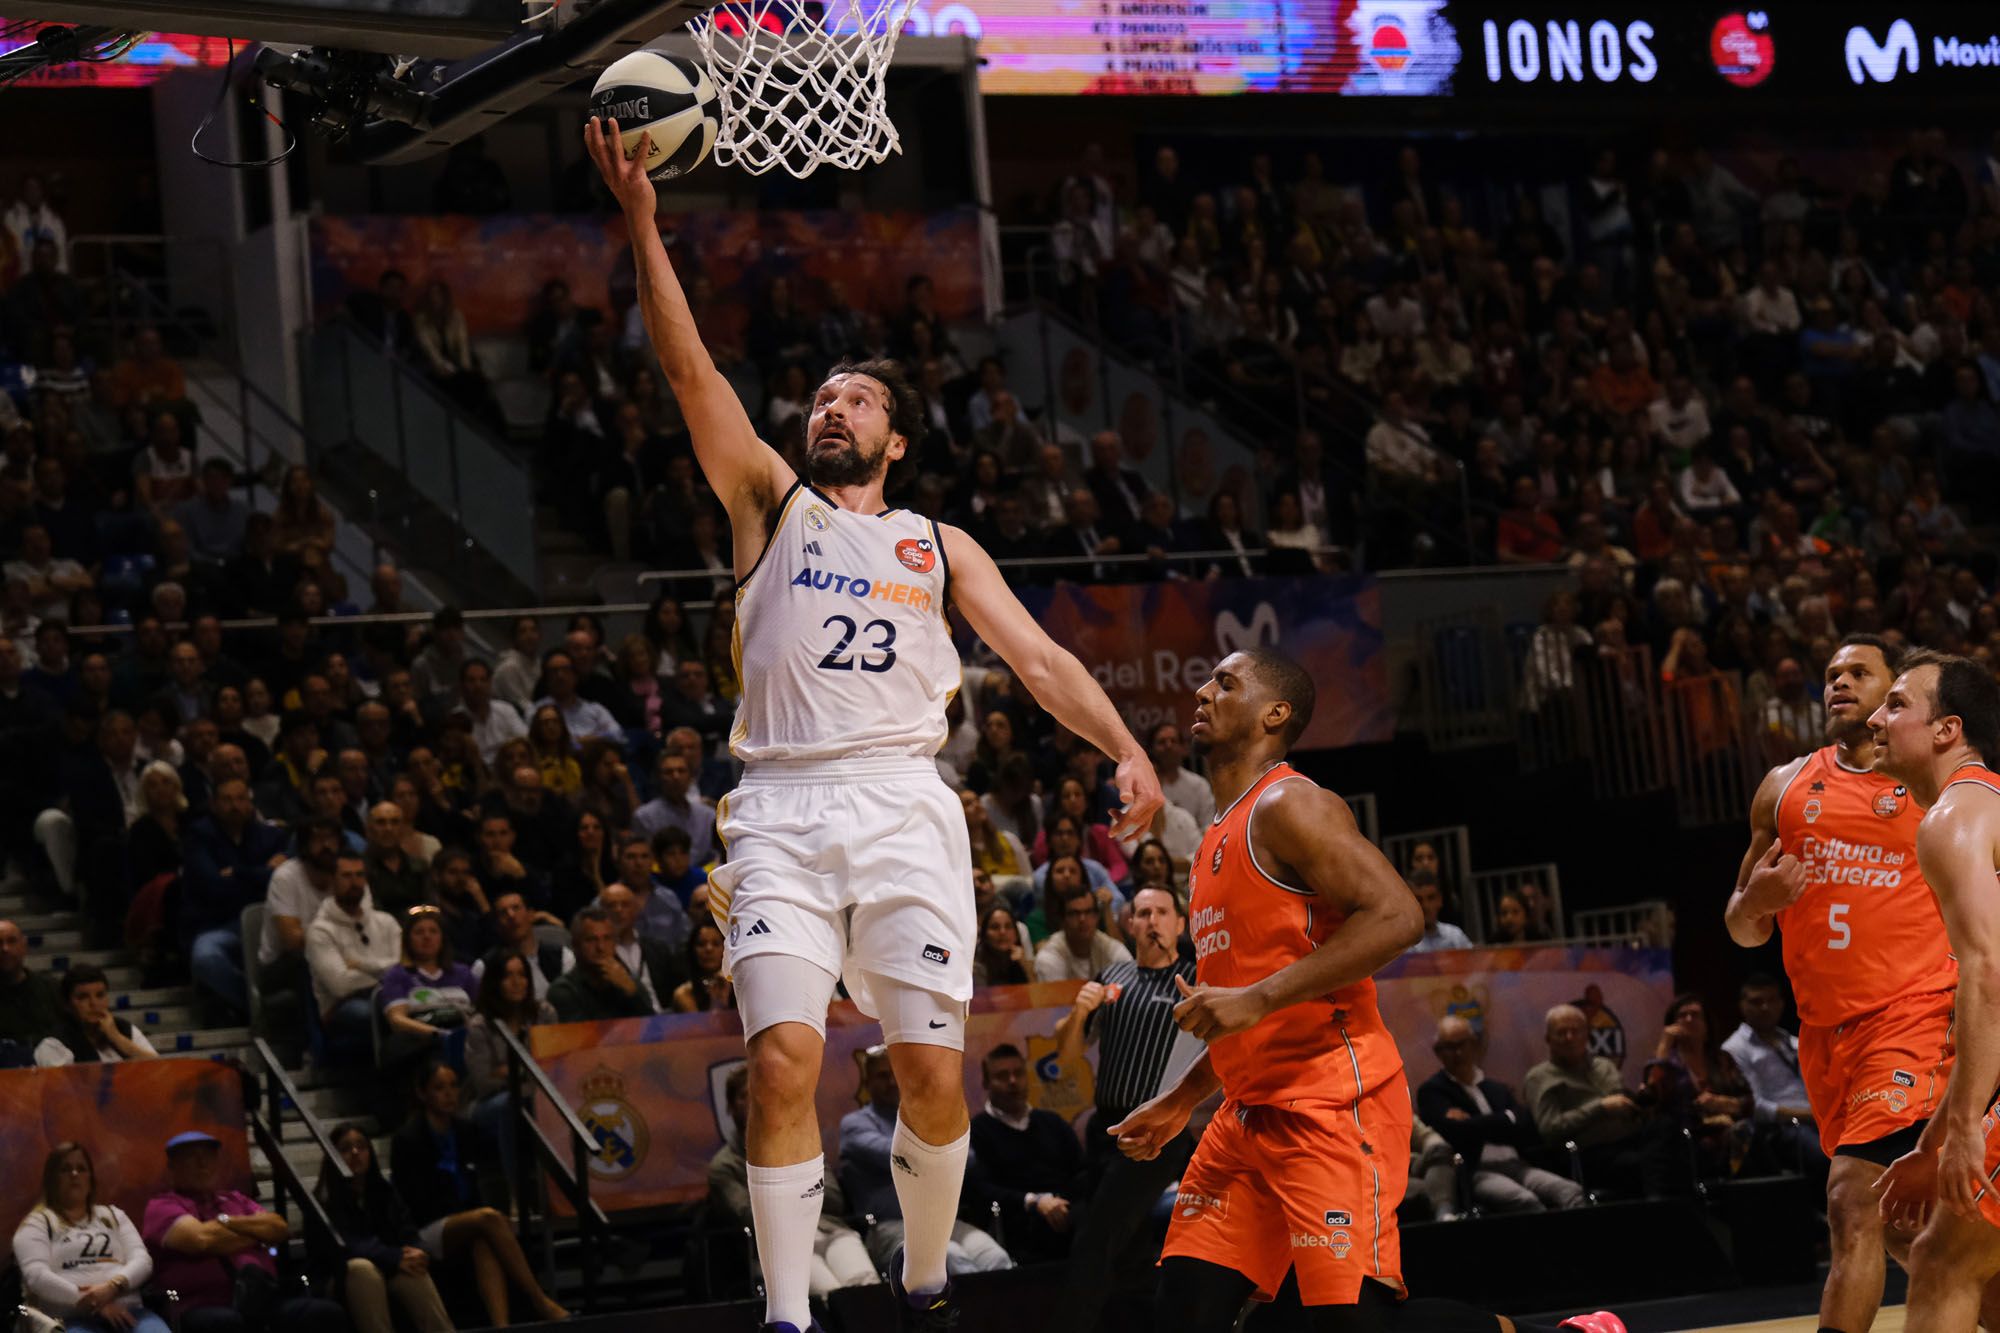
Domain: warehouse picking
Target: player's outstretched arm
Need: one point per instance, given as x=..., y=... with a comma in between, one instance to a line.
x=1767, y=881
x=1310, y=836
x=746, y=474
x=1052, y=674
x=1955, y=845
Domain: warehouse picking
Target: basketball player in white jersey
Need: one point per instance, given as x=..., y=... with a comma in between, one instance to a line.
x=1938, y=733
x=847, y=856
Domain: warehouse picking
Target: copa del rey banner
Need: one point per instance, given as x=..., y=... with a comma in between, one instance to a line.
x=651, y=1089
x=1152, y=645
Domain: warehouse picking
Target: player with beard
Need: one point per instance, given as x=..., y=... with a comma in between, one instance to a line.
x=1292, y=911
x=1938, y=733
x=847, y=857
x=1832, y=865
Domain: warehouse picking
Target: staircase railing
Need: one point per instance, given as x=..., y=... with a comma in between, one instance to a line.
x=357, y=395
x=1188, y=386
x=267, y=1129
x=525, y=1079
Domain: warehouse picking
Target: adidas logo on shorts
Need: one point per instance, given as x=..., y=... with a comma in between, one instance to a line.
x=818, y=1188
x=903, y=1164
x=760, y=928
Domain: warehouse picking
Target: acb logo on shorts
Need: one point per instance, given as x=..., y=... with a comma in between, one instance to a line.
x=917, y=554
x=1337, y=1218
x=935, y=954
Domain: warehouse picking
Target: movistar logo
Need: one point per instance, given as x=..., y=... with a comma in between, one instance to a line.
x=1867, y=60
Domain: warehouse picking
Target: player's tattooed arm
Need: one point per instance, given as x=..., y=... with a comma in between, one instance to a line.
x=746, y=474
x=1309, y=837
x=1768, y=880
x=1052, y=675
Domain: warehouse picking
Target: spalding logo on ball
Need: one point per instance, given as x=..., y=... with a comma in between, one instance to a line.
x=650, y=92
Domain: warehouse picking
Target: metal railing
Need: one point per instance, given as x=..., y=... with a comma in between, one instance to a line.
x=1365, y=816
x=1488, y=885
x=138, y=275
x=1444, y=534
x=572, y=1176
x=1034, y=562
x=266, y=432
x=418, y=438
x=1641, y=925
x=1609, y=707
x=323, y=1239
x=1453, y=846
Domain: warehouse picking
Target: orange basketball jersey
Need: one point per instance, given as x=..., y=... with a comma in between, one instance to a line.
x=1866, y=931
x=1247, y=925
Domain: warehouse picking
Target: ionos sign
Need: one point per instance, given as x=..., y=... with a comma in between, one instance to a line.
x=1530, y=55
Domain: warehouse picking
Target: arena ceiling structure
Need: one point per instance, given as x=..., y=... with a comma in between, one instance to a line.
x=397, y=79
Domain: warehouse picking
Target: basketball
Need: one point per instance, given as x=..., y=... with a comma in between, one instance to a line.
x=666, y=96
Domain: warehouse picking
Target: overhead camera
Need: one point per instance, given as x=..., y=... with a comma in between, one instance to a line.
x=348, y=89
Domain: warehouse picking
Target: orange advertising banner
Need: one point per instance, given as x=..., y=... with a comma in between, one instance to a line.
x=123, y=1114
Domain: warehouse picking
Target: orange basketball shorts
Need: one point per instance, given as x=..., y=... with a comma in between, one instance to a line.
x=1307, y=1185
x=1879, y=1073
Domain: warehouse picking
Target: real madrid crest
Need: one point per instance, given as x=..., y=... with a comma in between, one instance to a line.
x=622, y=1137
x=816, y=518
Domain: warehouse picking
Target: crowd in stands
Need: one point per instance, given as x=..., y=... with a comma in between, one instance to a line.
x=1765, y=417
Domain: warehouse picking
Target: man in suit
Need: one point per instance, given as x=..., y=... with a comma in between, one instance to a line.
x=1483, y=1122
x=1120, y=490
x=652, y=962
x=1084, y=536
x=104, y=801
x=1046, y=493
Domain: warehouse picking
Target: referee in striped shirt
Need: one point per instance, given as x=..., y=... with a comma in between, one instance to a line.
x=1128, y=1009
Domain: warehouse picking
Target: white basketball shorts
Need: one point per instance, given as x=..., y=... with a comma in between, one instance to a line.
x=861, y=866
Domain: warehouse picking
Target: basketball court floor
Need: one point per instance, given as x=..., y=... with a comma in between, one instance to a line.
x=1889, y=1321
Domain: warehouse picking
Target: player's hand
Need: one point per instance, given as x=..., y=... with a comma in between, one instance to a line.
x=1087, y=999
x=1139, y=797
x=625, y=175
x=1776, y=881
x=1909, y=1189
x=1211, y=1012
x=1961, y=1176
x=1143, y=1134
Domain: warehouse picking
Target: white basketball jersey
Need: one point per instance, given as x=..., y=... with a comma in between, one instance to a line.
x=842, y=641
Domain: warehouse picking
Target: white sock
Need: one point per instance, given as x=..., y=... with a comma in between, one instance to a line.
x=785, y=1204
x=927, y=1182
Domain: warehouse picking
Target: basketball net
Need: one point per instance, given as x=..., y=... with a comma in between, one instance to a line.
x=799, y=92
